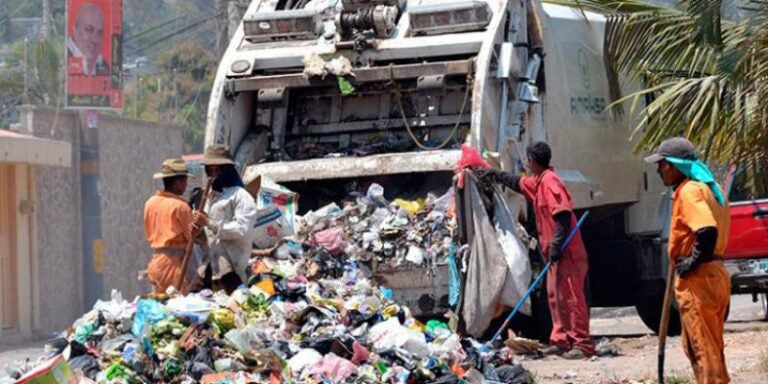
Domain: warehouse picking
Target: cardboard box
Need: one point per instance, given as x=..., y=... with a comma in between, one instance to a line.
x=54, y=371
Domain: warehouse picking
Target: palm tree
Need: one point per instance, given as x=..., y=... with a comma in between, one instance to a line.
x=702, y=76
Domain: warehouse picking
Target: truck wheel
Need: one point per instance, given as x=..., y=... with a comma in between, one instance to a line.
x=649, y=308
x=765, y=305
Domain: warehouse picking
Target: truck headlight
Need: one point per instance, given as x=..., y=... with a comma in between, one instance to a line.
x=450, y=17
x=301, y=24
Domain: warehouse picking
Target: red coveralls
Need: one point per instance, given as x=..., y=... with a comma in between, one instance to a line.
x=565, y=280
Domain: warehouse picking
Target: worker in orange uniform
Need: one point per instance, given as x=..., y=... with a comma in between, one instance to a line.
x=553, y=208
x=167, y=217
x=698, y=235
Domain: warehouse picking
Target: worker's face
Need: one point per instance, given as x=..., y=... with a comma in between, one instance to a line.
x=533, y=166
x=180, y=186
x=89, y=30
x=669, y=174
x=212, y=170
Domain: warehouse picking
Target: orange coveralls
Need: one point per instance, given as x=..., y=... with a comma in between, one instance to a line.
x=166, y=219
x=565, y=279
x=704, y=292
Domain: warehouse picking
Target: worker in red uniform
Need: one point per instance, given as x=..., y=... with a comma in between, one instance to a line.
x=553, y=209
x=166, y=219
x=698, y=235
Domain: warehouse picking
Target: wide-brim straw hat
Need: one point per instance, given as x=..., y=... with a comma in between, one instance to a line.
x=217, y=154
x=171, y=168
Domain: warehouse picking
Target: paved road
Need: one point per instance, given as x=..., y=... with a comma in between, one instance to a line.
x=625, y=321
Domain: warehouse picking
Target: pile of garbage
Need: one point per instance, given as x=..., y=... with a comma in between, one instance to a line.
x=371, y=229
x=308, y=314
x=281, y=328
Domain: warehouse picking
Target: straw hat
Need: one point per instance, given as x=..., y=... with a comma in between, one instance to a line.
x=171, y=168
x=217, y=154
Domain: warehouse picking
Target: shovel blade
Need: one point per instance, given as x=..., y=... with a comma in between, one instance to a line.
x=661, y=368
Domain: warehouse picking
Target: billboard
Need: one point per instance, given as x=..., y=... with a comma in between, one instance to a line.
x=94, y=54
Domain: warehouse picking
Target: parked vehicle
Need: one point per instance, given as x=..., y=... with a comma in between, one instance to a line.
x=746, y=256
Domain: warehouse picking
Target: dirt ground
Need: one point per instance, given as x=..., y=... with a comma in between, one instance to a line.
x=746, y=350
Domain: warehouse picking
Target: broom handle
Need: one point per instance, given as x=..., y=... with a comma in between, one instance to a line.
x=191, y=243
x=664, y=326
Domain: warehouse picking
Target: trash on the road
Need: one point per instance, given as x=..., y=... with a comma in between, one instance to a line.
x=54, y=371
x=521, y=345
x=570, y=375
x=606, y=348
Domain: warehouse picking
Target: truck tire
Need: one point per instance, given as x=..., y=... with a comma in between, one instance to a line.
x=649, y=308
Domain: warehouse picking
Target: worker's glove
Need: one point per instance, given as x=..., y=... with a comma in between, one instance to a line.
x=685, y=265
x=486, y=174
x=703, y=251
x=555, y=254
x=562, y=226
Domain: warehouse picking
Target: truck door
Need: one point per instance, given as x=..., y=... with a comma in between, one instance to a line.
x=749, y=220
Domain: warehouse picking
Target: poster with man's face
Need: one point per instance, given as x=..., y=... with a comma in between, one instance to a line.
x=94, y=54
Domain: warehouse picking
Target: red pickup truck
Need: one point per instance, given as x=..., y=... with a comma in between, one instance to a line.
x=746, y=256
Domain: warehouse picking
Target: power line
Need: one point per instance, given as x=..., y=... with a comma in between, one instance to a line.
x=165, y=23
x=175, y=33
x=13, y=13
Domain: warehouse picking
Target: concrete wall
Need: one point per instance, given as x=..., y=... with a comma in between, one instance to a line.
x=130, y=151
x=57, y=207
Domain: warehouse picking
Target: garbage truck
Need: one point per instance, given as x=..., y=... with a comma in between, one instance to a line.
x=323, y=96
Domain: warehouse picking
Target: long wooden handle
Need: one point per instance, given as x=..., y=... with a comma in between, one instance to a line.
x=664, y=326
x=191, y=243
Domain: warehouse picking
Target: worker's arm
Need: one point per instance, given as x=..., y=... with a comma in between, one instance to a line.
x=703, y=250
x=507, y=179
x=697, y=215
x=562, y=227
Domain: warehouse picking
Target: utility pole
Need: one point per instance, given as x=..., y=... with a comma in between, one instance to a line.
x=221, y=23
x=138, y=92
x=175, y=96
x=25, y=95
x=45, y=28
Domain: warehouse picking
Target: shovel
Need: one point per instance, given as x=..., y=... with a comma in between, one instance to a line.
x=538, y=280
x=664, y=326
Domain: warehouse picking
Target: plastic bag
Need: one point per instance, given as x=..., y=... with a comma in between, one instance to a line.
x=390, y=334
x=332, y=240
x=305, y=358
x=470, y=158
x=334, y=368
x=271, y=226
x=454, y=283
x=519, y=271
x=149, y=312
x=410, y=206
x=415, y=255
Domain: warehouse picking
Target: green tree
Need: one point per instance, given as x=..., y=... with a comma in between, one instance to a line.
x=704, y=74
x=178, y=91
x=44, y=86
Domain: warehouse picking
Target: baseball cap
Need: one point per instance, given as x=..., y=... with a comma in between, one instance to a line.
x=678, y=147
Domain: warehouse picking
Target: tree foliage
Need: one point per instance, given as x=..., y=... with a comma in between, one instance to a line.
x=191, y=68
x=706, y=75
